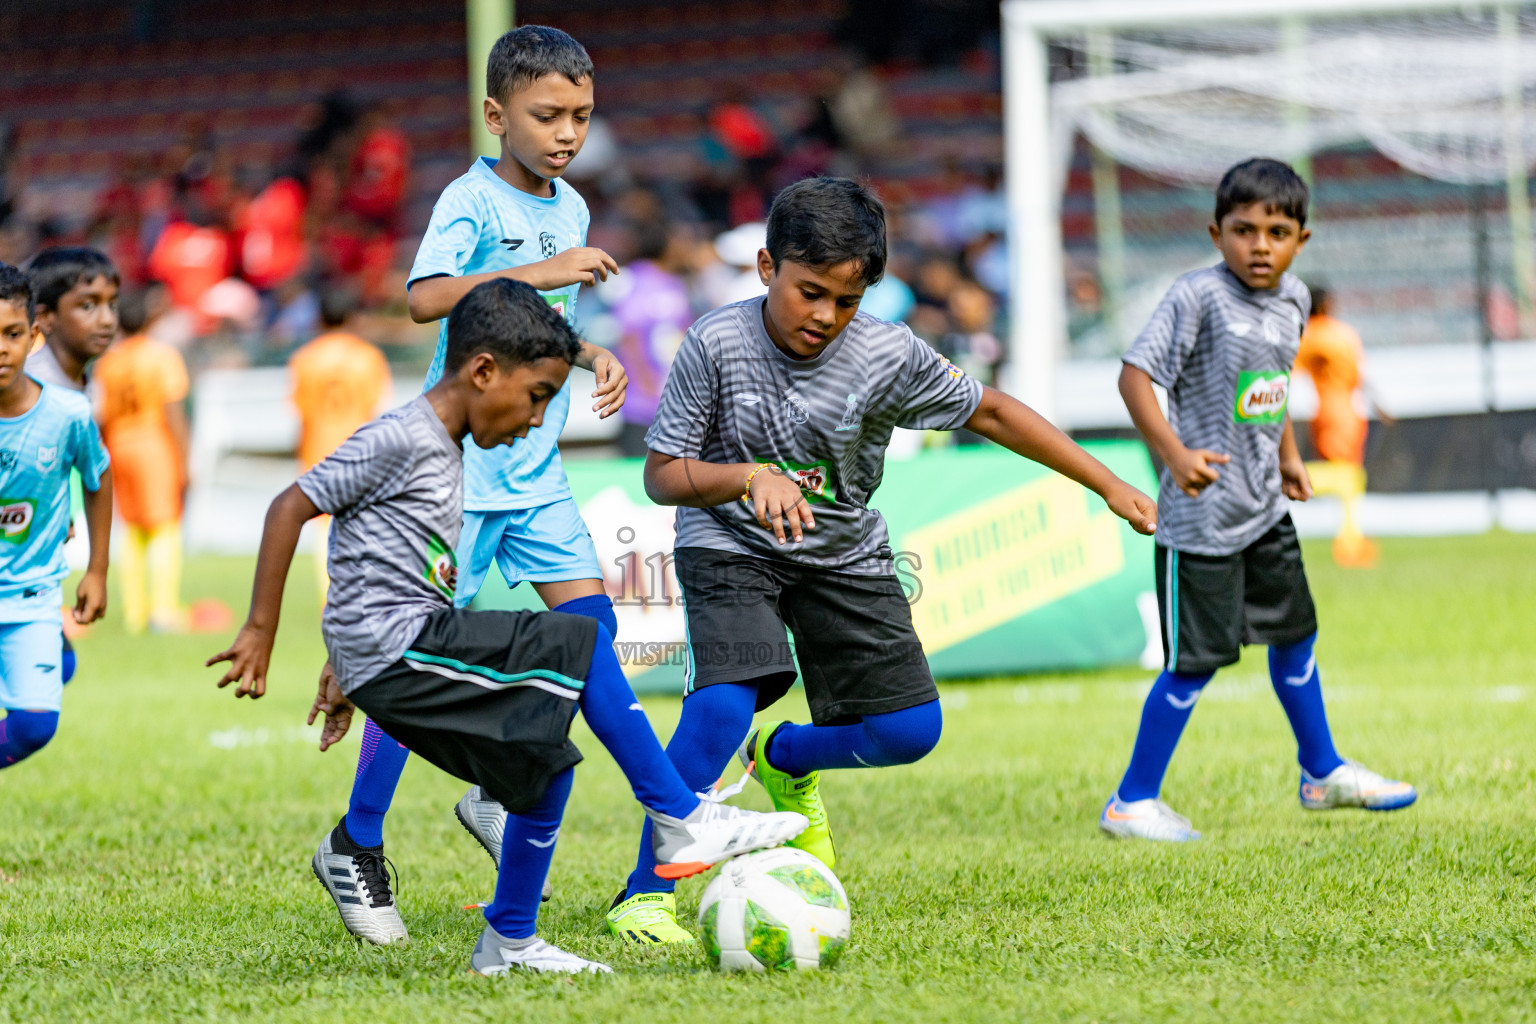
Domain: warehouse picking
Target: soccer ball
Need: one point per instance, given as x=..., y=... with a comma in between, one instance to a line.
x=779, y=909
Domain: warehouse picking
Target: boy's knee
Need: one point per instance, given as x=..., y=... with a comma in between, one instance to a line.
x=908, y=735
x=30, y=731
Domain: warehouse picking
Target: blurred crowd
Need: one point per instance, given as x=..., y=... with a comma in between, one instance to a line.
x=234, y=262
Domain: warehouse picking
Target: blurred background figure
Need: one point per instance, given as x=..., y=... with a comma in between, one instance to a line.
x=650, y=301
x=339, y=383
x=1332, y=355
x=141, y=397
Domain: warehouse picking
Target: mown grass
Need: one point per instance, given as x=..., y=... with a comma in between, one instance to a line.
x=154, y=859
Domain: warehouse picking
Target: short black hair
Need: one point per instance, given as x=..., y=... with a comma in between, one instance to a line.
x=132, y=311
x=527, y=54
x=1262, y=180
x=821, y=222
x=16, y=286
x=336, y=304
x=1321, y=293
x=512, y=322
x=56, y=271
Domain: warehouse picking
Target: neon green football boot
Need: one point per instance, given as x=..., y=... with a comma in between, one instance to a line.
x=647, y=919
x=788, y=793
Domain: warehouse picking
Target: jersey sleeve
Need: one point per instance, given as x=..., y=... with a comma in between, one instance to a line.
x=173, y=377
x=686, y=412
x=935, y=393
x=90, y=454
x=1169, y=337
x=362, y=470
x=451, y=236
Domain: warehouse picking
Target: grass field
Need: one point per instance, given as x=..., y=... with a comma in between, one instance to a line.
x=154, y=860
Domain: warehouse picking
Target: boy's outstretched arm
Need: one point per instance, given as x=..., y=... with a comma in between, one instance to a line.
x=91, y=594
x=1193, y=470
x=1025, y=432
x=249, y=655
x=432, y=298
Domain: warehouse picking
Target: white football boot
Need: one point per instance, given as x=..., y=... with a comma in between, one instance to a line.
x=715, y=831
x=357, y=879
x=1145, y=819
x=486, y=820
x=493, y=955
x=1352, y=784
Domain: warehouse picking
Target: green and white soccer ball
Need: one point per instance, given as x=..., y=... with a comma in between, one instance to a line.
x=779, y=909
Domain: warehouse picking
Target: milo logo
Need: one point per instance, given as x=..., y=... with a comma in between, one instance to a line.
x=442, y=567
x=557, y=302
x=814, y=479
x=16, y=519
x=1261, y=396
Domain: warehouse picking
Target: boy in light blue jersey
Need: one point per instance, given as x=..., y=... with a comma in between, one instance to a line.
x=509, y=217
x=45, y=432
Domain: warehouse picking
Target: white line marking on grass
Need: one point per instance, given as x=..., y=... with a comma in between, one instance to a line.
x=1506, y=694
x=239, y=736
x=1048, y=693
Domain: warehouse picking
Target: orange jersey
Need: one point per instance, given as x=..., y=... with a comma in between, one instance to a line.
x=136, y=380
x=339, y=382
x=1331, y=354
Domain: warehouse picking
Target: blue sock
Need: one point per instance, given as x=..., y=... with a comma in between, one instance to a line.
x=24, y=733
x=897, y=737
x=596, y=606
x=67, y=661
x=379, y=765
x=1293, y=673
x=1163, y=716
x=526, y=850
x=617, y=719
x=715, y=720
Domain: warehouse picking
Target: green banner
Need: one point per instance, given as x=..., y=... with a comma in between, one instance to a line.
x=1010, y=568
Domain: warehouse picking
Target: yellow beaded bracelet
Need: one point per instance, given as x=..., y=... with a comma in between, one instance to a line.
x=747, y=493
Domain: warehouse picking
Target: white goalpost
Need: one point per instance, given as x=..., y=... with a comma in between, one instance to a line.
x=1178, y=89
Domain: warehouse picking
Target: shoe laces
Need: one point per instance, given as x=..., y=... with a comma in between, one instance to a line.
x=712, y=801
x=373, y=869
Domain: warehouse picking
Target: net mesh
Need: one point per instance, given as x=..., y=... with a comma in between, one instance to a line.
x=1409, y=126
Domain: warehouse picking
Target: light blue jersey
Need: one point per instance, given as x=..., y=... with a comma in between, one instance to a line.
x=482, y=224
x=37, y=451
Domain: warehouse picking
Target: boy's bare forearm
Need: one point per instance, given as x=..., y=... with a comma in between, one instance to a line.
x=98, y=522
x=694, y=484
x=433, y=298
x=279, y=539
x=1141, y=403
x=1021, y=430
x=1289, y=449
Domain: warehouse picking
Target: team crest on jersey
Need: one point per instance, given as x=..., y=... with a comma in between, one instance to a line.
x=546, y=244
x=16, y=516
x=47, y=455
x=795, y=408
x=851, y=417
x=7, y=459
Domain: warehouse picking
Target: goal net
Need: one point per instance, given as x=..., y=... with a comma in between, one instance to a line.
x=1415, y=126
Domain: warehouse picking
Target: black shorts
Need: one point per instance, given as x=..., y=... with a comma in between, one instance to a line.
x=488, y=697
x=854, y=640
x=1211, y=605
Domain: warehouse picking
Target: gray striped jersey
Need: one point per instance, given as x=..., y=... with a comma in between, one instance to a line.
x=1224, y=352
x=396, y=488
x=732, y=396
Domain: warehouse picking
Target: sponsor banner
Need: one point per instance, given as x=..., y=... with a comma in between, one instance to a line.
x=1009, y=567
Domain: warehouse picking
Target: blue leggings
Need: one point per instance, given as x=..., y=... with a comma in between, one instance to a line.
x=717, y=718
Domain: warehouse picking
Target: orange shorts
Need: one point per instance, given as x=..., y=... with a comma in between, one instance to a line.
x=146, y=479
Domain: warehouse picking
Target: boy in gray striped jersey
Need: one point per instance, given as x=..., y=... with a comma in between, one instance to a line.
x=487, y=696
x=1228, y=564
x=770, y=438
